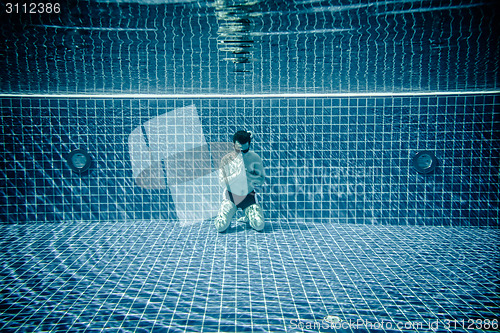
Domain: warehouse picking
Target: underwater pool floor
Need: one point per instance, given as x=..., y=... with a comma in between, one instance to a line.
x=157, y=276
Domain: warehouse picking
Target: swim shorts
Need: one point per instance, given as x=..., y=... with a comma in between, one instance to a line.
x=241, y=201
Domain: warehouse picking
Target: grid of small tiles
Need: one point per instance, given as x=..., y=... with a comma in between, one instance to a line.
x=260, y=46
x=346, y=160
x=155, y=276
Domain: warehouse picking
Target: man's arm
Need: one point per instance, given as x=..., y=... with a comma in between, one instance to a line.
x=256, y=172
x=222, y=178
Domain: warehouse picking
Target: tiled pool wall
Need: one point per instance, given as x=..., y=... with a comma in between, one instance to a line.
x=345, y=160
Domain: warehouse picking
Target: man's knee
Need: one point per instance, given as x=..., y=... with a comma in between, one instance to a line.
x=255, y=217
x=221, y=224
x=226, y=212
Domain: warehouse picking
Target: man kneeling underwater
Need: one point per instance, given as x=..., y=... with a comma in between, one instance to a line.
x=240, y=172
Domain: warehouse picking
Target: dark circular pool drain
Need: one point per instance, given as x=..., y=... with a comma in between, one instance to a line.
x=79, y=160
x=424, y=162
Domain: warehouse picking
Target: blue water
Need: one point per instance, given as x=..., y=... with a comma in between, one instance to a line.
x=252, y=46
x=353, y=230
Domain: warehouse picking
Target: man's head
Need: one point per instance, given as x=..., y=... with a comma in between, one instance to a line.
x=241, y=141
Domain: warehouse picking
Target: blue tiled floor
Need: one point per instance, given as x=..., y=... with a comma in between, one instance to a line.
x=155, y=276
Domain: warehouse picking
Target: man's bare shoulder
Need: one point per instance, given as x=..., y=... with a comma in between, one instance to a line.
x=228, y=158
